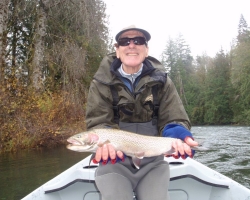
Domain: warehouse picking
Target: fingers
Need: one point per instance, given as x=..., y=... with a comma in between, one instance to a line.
x=183, y=149
x=111, y=152
x=187, y=150
x=190, y=142
x=107, y=152
x=120, y=155
x=102, y=153
x=178, y=147
x=98, y=154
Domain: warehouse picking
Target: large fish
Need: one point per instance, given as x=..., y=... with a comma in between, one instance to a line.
x=135, y=145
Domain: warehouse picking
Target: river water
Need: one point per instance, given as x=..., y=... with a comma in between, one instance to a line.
x=24, y=171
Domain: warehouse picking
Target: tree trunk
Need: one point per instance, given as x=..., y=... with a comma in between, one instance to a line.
x=3, y=28
x=38, y=62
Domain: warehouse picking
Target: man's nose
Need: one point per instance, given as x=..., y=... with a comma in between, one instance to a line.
x=131, y=43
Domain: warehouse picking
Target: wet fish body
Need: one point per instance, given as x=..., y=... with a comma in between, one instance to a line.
x=134, y=145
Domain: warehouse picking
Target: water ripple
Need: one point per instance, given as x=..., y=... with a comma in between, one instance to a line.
x=229, y=150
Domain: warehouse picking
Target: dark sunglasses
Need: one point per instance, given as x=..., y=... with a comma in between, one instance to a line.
x=136, y=41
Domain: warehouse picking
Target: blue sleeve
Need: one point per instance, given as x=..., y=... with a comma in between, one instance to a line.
x=176, y=131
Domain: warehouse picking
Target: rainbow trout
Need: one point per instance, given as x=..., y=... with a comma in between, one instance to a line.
x=135, y=145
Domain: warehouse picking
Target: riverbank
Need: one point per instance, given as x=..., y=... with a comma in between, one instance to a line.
x=38, y=120
x=41, y=141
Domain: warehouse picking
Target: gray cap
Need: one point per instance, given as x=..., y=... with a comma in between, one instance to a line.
x=133, y=27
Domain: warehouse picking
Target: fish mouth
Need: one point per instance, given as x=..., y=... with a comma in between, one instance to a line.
x=74, y=142
x=80, y=146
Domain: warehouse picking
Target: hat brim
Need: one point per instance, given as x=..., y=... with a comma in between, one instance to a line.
x=145, y=33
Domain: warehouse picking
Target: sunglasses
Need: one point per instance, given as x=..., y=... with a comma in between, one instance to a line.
x=136, y=41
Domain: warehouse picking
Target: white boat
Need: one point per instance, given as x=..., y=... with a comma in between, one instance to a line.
x=189, y=180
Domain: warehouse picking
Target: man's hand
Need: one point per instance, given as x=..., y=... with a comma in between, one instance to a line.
x=107, y=152
x=183, y=149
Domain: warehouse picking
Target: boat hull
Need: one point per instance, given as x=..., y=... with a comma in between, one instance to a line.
x=189, y=180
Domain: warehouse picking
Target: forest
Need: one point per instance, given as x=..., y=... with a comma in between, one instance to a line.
x=215, y=91
x=50, y=50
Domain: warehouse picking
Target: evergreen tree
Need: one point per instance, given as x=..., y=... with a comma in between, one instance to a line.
x=218, y=91
x=240, y=74
x=169, y=56
x=196, y=91
x=177, y=59
x=243, y=30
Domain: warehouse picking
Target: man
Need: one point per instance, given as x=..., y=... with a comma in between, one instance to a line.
x=132, y=92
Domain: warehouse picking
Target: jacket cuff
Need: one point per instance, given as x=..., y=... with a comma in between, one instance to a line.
x=176, y=131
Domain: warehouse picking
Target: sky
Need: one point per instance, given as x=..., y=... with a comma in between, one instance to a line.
x=207, y=26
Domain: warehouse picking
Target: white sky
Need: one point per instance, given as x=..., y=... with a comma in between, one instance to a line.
x=206, y=26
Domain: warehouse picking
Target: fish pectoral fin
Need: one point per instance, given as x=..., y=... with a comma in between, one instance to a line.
x=140, y=155
x=136, y=162
x=102, y=143
x=137, y=159
x=106, y=142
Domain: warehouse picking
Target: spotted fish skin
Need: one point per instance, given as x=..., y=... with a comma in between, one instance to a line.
x=132, y=144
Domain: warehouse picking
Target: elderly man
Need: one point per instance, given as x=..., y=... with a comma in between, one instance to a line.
x=131, y=91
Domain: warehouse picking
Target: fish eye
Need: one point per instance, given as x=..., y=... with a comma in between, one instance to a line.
x=78, y=136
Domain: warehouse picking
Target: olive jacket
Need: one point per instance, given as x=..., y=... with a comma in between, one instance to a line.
x=135, y=104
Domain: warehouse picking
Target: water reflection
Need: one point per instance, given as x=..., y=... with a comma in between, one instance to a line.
x=24, y=171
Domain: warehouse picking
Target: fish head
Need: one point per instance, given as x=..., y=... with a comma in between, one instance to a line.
x=83, y=142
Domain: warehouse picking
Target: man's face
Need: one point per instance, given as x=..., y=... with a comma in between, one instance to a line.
x=132, y=55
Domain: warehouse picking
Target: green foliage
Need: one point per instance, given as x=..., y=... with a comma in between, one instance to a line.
x=218, y=91
x=243, y=31
x=178, y=62
x=240, y=77
x=213, y=90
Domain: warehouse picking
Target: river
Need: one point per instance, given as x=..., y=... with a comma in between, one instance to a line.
x=24, y=171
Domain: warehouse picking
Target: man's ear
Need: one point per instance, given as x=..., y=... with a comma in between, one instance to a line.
x=117, y=51
x=147, y=51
